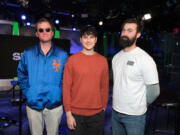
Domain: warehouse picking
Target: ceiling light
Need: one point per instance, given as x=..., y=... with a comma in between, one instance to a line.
x=72, y=15
x=100, y=23
x=28, y=24
x=57, y=21
x=147, y=16
x=23, y=17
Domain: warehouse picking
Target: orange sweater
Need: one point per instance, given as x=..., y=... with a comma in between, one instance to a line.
x=85, y=84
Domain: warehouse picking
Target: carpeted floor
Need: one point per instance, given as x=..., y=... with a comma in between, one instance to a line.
x=161, y=119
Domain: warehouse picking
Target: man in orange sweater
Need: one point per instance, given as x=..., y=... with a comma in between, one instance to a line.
x=86, y=87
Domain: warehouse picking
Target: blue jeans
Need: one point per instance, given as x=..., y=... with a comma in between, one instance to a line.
x=123, y=124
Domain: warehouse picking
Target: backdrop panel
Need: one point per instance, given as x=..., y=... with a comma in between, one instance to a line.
x=11, y=49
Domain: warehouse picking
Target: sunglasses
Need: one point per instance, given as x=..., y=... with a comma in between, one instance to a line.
x=42, y=30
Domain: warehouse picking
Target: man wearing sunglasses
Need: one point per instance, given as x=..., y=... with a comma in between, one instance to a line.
x=40, y=72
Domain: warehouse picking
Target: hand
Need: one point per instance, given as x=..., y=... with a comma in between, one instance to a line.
x=71, y=122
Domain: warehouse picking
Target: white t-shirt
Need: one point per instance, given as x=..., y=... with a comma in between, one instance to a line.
x=132, y=71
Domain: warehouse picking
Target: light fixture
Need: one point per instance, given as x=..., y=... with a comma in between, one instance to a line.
x=57, y=21
x=100, y=23
x=24, y=3
x=147, y=16
x=72, y=15
x=28, y=24
x=74, y=29
x=23, y=17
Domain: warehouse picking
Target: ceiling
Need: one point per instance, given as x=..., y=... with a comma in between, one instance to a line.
x=165, y=13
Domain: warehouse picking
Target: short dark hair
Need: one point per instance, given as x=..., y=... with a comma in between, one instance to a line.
x=134, y=20
x=88, y=30
x=45, y=20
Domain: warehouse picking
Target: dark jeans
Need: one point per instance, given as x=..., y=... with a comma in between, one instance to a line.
x=123, y=124
x=91, y=125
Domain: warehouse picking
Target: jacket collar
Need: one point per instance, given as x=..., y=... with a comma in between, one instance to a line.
x=51, y=52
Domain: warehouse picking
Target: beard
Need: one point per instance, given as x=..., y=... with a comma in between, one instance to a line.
x=127, y=42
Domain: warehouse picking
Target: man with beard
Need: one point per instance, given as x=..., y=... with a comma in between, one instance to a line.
x=136, y=83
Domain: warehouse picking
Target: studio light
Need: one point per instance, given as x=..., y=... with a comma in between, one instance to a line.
x=24, y=3
x=57, y=21
x=74, y=29
x=147, y=16
x=23, y=17
x=28, y=24
x=72, y=15
x=100, y=23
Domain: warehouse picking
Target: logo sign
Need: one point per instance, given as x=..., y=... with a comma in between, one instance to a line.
x=56, y=65
x=16, y=56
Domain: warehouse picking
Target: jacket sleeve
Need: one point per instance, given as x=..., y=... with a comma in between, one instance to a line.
x=105, y=85
x=67, y=83
x=23, y=75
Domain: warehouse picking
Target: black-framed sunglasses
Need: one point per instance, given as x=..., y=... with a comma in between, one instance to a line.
x=42, y=30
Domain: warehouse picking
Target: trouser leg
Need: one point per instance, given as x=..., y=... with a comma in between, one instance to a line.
x=36, y=122
x=52, y=118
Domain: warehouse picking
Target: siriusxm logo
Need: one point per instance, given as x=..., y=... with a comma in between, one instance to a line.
x=16, y=56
